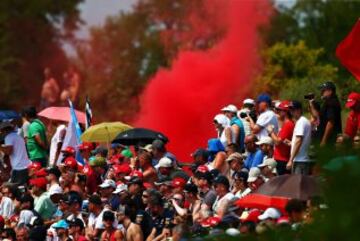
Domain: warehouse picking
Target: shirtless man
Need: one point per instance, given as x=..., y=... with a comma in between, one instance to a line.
x=50, y=90
x=133, y=231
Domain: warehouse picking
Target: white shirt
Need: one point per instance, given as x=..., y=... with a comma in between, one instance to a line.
x=57, y=138
x=265, y=119
x=25, y=216
x=19, y=159
x=223, y=138
x=302, y=128
x=219, y=201
x=6, y=207
x=96, y=222
x=241, y=194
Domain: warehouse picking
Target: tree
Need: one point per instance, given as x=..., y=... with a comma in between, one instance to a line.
x=122, y=55
x=291, y=71
x=31, y=35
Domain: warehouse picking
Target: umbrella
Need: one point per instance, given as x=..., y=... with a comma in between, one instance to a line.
x=136, y=135
x=8, y=115
x=262, y=202
x=104, y=132
x=291, y=186
x=62, y=114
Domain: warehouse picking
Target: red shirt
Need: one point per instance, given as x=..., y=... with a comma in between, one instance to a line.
x=282, y=151
x=352, y=124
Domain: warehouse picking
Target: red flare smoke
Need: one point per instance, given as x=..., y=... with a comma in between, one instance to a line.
x=182, y=102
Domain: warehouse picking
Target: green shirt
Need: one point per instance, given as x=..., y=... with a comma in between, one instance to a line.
x=35, y=151
x=44, y=206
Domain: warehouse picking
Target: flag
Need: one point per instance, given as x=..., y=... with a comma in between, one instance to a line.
x=348, y=51
x=72, y=136
x=88, y=113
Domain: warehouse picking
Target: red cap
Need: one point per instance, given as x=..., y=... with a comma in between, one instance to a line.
x=85, y=146
x=352, y=99
x=283, y=219
x=210, y=222
x=202, y=169
x=35, y=166
x=40, y=182
x=123, y=168
x=148, y=185
x=115, y=159
x=253, y=216
x=69, y=149
x=14, y=218
x=70, y=162
x=178, y=182
x=87, y=170
x=284, y=105
x=41, y=173
x=136, y=173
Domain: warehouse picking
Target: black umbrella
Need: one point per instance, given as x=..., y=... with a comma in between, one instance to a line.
x=139, y=135
x=291, y=186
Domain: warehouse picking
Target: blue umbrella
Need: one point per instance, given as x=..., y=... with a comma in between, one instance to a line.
x=9, y=115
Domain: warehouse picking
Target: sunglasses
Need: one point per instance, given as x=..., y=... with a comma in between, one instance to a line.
x=145, y=196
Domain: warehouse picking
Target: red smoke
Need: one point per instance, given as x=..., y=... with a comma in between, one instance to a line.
x=182, y=102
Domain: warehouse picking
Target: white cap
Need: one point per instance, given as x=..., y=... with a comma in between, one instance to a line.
x=147, y=148
x=164, y=162
x=249, y=102
x=230, y=108
x=265, y=140
x=108, y=183
x=120, y=188
x=272, y=213
x=268, y=162
x=254, y=173
x=55, y=189
x=232, y=232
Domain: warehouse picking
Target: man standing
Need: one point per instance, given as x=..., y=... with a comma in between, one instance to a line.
x=15, y=147
x=353, y=120
x=56, y=142
x=236, y=125
x=330, y=115
x=267, y=117
x=36, y=143
x=300, y=162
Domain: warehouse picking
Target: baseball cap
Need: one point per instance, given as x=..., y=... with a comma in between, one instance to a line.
x=328, y=85
x=352, y=99
x=120, y=188
x=202, y=169
x=97, y=161
x=249, y=101
x=264, y=98
x=69, y=150
x=70, y=162
x=164, y=162
x=85, y=146
x=272, y=213
x=284, y=105
x=234, y=156
x=55, y=189
x=135, y=180
x=163, y=181
x=77, y=222
x=39, y=182
x=220, y=179
x=95, y=199
x=73, y=197
x=34, y=166
x=241, y=176
x=41, y=173
x=178, y=182
x=61, y=224
x=269, y=162
x=122, y=169
x=230, y=108
x=254, y=173
x=295, y=105
x=201, y=152
x=135, y=173
x=265, y=140
x=127, y=153
x=108, y=183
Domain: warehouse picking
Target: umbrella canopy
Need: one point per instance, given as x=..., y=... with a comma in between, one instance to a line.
x=291, y=186
x=104, y=132
x=262, y=202
x=61, y=114
x=137, y=135
x=9, y=115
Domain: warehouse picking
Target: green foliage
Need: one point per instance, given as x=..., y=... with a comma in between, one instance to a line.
x=30, y=39
x=290, y=71
x=126, y=52
x=322, y=25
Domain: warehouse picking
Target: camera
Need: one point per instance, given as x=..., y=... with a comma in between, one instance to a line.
x=243, y=115
x=309, y=96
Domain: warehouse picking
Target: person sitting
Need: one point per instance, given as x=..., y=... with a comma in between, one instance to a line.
x=266, y=145
x=240, y=186
x=217, y=155
x=255, y=155
x=224, y=130
x=268, y=168
x=255, y=180
x=224, y=198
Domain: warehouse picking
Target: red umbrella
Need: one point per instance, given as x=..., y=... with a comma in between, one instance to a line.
x=61, y=114
x=262, y=202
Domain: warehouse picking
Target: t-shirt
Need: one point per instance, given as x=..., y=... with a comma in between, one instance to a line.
x=44, y=206
x=229, y=197
x=96, y=222
x=35, y=151
x=254, y=159
x=352, y=124
x=19, y=159
x=25, y=216
x=57, y=138
x=6, y=207
x=282, y=151
x=24, y=130
x=302, y=128
x=330, y=111
x=265, y=119
x=239, y=123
